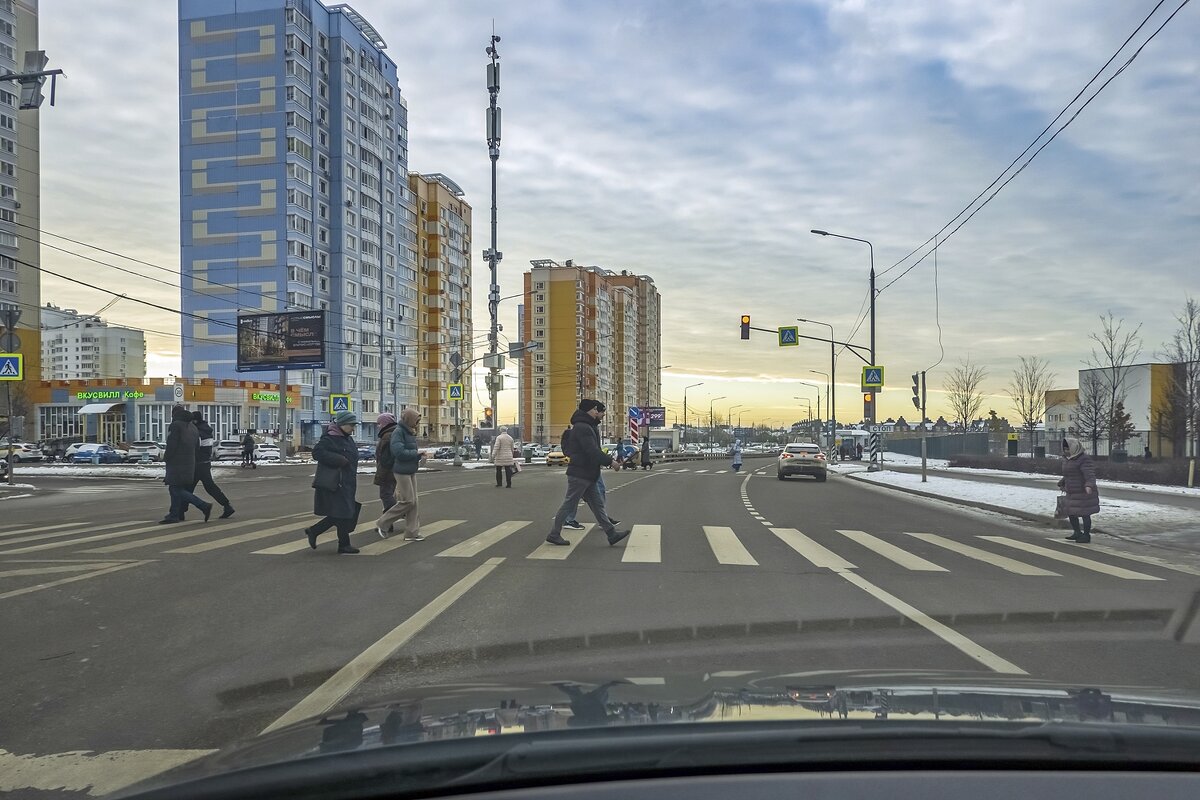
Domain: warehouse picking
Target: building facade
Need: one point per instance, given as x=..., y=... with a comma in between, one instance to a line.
x=1147, y=391
x=596, y=334
x=20, y=189
x=446, y=334
x=83, y=346
x=295, y=196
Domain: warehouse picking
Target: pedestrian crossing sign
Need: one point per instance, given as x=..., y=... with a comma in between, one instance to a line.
x=454, y=391
x=339, y=403
x=12, y=367
x=789, y=336
x=872, y=378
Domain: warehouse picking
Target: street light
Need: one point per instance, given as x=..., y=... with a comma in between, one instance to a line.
x=710, y=419
x=872, y=249
x=832, y=376
x=685, y=391
x=729, y=413
x=829, y=397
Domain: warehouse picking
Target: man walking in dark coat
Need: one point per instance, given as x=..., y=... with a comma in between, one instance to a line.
x=183, y=440
x=587, y=459
x=204, y=464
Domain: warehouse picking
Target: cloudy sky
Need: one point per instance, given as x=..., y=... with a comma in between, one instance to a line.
x=699, y=142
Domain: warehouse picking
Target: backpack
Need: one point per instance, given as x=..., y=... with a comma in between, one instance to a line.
x=565, y=440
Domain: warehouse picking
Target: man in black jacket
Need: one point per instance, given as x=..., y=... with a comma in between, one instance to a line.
x=204, y=464
x=183, y=440
x=587, y=459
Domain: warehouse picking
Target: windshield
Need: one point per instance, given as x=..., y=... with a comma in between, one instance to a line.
x=776, y=360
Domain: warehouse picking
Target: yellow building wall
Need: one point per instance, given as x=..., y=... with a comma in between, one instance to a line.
x=561, y=367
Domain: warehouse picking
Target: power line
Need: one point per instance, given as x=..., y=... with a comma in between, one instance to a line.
x=1036, y=139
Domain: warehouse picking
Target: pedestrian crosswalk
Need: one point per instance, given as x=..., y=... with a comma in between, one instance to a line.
x=749, y=546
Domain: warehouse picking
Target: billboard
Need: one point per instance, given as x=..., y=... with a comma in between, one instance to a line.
x=654, y=416
x=287, y=340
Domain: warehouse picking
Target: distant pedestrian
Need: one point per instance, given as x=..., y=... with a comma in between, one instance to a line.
x=336, y=483
x=587, y=459
x=204, y=464
x=385, y=479
x=183, y=440
x=858, y=451
x=504, y=459
x=646, y=462
x=406, y=459
x=1079, y=482
x=248, y=451
x=478, y=449
x=737, y=455
x=1147, y=455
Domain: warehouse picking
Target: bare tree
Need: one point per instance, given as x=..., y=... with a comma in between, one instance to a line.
x=1091, y=409
x=963, y=390
x=1028, y=387
x=1184, y=393
x=1118, y=350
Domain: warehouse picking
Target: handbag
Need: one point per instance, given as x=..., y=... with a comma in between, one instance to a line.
x=327, y=479
x=1060, y=507
x=516, y=466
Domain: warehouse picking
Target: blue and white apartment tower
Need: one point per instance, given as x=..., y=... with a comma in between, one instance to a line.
x=294, y=195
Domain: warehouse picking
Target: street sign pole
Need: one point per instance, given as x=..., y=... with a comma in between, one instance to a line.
x=11, y=317
x=284, y=438
x=924, y=431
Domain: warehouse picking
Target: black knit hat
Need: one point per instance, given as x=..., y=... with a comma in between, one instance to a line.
x=587, y=404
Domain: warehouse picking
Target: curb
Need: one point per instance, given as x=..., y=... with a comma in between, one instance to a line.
x=1041, y=519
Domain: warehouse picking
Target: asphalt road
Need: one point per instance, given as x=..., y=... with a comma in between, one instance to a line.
x=120, y=634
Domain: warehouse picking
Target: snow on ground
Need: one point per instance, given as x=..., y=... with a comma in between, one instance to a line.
x=1117, y=517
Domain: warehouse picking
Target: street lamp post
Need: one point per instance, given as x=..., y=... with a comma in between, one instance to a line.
x=729, y=413
x=832, y=376
x=829, y=404
x=872, y=290
x=685, y=391
x=710, y=419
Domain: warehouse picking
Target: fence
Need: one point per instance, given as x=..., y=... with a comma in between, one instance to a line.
x=943, y=446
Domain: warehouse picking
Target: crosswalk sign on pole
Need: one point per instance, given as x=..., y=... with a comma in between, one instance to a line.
x=789, y=336
x=872, y=377
x=339, y=403
x=12, y=367
x=454, y=391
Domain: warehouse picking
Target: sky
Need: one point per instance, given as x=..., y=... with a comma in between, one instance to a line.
x=698, y=143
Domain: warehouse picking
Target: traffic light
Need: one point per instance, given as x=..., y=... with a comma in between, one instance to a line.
x=487, y=418
x=916, y=390
x=745, y=326
x=869, y=407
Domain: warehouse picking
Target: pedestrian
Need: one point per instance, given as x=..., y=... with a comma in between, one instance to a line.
x=336, y=483
x=248, y=451
x=385, y=479
x=646, y=462
x=858, y=450
x=503, y=458
x=737, y=455
x=406, y=459
x=1079, y=482
x=478, y=449
x=204, y=464
x=582, y=447
x=573, y=523
x=183, y=440
x=1147, y=455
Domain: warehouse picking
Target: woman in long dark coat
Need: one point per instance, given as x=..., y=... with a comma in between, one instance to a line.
x=336, y=483
x=1079, y=482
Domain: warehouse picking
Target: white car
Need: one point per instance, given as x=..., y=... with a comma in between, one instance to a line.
x=267, y=452
x=20, y=451
x=228, y=450
x=155, y=450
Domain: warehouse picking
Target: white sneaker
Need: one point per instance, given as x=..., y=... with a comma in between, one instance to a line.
x=416, y=538
x=382, y=533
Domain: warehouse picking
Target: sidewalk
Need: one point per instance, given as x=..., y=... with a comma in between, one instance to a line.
x=1170, y=518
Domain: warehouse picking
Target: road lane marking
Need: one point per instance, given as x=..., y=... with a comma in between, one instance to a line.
x=61, y=581
x=699, y=471
x=20, y=530
x=556, y=552
x=683, y=470
x=721, y=472
x=644, y=545
x=173, y=537
x=727, y=547
x=93, y=774
x=1003, y=562
x=40, y=537
x=229, y=541
x=84, y=567
x=477, y=544
x=1153, y=560
x=817, y=554
x=85, y=540
x=346, y=679
x=1067, y=558
x=892, y=552
x=943, y=632
x=397, y=540
x=296, y=547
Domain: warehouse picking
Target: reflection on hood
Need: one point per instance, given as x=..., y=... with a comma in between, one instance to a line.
x=1074, y=447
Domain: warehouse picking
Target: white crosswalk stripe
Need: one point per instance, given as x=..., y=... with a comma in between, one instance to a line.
x=1003, y=562
x=556, y=552
x=396, y=540
x=892, y=552
x=477, y=544
x=296, y=547
x=20, y=529
x=818, y=555
x=204, y=529
x=230, y=541
x=1068, y=558
x=644, y=545
x=727, y=548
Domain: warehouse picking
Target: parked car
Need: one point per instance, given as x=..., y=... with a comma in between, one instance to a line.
x=227, y=450
x=104, y=453
x=444, y=452
x=801, y=458
x=20, y=451
x=156, y=450
x=366, y=452
x=267, y=451
x=557, y=458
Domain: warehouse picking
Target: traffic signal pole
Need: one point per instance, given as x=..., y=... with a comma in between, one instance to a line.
x=918, y=399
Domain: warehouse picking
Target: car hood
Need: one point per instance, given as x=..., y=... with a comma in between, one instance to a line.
x=436, y=713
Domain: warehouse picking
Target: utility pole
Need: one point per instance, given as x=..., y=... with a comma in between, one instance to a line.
x=12, y=315
x=918, y=400
x=492, y=255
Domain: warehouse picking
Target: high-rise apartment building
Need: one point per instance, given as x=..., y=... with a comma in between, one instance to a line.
x=295, y=196
x=597, y=334
x=20, y=191
x=444, y=231
x=83, y=346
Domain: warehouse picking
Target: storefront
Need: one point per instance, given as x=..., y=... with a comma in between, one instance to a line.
x=133, y=410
